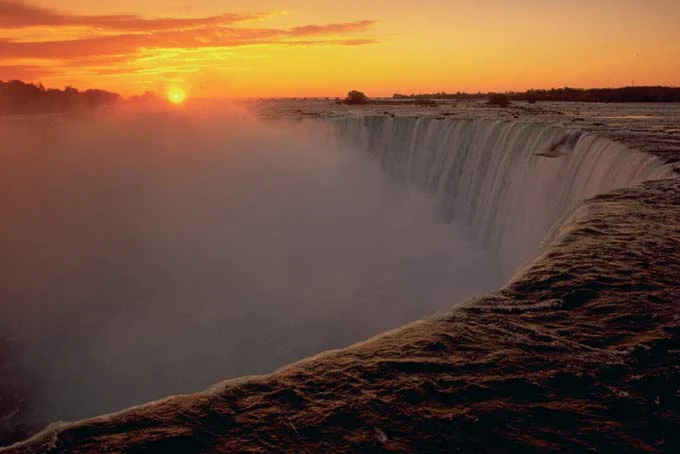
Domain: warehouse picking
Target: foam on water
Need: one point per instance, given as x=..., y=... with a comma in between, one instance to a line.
x=488, y=173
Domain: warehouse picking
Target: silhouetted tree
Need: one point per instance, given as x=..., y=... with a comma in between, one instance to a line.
x=20, y=97
x=356, y=97
x=623, y=94
x=499, y=99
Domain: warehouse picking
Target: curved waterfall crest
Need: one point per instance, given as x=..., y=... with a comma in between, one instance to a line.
x=498, y=175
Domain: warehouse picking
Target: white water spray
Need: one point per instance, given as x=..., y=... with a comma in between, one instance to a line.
x=487, y=173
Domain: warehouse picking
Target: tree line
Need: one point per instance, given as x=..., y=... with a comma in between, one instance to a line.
x=623, y=94
x=17, y=97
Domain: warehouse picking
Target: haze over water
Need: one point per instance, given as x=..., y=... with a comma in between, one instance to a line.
x=153, y=254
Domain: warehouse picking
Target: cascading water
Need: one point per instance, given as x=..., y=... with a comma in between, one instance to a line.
x=262, y=235
x=509, y=182
x=489, y=172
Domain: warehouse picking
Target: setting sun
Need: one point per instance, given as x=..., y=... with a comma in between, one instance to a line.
x=227, y=49
x=176, y=95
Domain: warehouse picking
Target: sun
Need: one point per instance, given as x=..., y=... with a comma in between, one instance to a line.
x=176, y=95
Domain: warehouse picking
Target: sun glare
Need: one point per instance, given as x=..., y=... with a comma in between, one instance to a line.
x=176, y=95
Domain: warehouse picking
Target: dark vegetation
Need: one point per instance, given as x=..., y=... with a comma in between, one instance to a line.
x=356, y=97
x=17, y=97
x=499, y=99
x=623, y=94
x=459, y=96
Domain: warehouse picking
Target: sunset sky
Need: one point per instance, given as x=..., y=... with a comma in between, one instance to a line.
x=238, y=48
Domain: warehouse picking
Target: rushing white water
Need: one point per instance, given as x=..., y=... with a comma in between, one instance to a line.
x=488, y=173
x=140, y=264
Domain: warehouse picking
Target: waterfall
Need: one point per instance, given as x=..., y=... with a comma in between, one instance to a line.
x=488, y=173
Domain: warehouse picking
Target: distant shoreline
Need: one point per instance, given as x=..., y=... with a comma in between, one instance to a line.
x=606, y=95
x=17, y=97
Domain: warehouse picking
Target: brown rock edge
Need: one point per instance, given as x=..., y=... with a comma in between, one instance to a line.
x=580, y=351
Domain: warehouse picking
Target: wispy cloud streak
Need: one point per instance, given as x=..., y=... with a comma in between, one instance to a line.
x=120, y=40
x=19, y=14
x=189, y=39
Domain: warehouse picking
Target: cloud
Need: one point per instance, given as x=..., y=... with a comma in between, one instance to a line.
x=119, y=43
x=347, y=27
x=18, y=14
x=189, y=39
x=333, y=42
x=25, y=72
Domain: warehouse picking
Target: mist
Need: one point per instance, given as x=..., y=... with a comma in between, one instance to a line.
x=148, y=254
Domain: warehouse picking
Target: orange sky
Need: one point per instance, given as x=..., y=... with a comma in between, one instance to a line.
x=227, y=48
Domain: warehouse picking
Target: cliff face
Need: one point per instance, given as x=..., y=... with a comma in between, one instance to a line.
x=579, y=351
